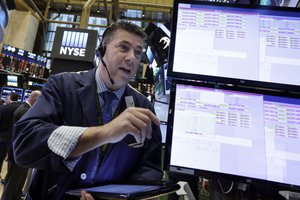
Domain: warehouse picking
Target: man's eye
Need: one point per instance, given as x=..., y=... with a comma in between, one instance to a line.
x=138, y=53
x=124, y=47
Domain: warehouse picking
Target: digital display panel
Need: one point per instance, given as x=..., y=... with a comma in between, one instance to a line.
x=74, y=44
x=226, y=43
x=19, y=61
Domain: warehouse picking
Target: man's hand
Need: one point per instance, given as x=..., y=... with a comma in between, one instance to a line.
x=134, y=121
x=86, y=196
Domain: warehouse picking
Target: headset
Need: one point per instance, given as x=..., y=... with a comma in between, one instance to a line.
x=100, y=51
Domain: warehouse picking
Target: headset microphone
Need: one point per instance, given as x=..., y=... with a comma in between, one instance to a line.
x=100, y=53
x=104, y=64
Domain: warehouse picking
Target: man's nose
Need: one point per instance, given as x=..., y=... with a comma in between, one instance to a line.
x=130, y=56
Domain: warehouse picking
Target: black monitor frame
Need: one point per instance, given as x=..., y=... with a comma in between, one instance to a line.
x=221, y=79
x=203, y=173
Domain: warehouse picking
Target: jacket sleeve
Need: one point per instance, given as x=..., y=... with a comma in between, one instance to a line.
x=35, y=127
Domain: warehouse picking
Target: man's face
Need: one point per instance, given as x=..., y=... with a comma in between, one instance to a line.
x=122, y=57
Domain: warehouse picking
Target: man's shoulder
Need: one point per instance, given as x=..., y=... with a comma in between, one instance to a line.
x=11, y=105
x=76, y=76
x=22, y=108
x=24, y=105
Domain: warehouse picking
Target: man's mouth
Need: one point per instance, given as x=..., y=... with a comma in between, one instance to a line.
x=125, y=70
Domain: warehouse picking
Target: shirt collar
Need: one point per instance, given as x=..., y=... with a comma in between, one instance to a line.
x=102, y=88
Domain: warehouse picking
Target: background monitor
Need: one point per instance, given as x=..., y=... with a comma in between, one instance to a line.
x=26, y=95
x=12, y=80
x=229, y=130
x=7, y=90
x=226, y=43
x=283, y=3
x=159, y=41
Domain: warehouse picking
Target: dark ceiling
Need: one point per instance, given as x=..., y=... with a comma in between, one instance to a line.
x=106, y=8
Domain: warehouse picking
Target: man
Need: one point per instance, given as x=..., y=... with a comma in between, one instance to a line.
x=64, y=137
x=6, y=118
x=16, y=175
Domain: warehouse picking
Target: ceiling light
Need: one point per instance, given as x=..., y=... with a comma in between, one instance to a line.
x=68, y=7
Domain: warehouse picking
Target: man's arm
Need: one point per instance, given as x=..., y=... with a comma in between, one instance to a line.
x=133, y=121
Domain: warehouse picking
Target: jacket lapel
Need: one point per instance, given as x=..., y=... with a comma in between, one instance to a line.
x=87, y=96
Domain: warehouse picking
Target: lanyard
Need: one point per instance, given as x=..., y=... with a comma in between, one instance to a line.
x=104, y=148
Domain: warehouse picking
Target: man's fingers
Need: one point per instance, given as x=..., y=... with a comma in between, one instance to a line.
x=149, y=114
x=86, y=196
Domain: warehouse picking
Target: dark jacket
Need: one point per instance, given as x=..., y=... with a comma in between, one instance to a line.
x=6, y=121
x=22, y=109
x=70, y=99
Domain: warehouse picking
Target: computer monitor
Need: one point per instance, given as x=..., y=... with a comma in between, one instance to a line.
x=7, y=90
x=12, y=80
x=26, y=95
x=235, y=44
x=283, y=3
x=248, y=135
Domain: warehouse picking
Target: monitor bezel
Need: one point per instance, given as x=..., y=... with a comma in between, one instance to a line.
x=220, y=79
x=202, y=173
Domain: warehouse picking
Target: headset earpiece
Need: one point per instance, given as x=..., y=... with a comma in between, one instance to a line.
x=100, y=53
x=102, y=50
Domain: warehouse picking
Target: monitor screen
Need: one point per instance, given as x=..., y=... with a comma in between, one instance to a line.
x=12, y=80
x=7, y=90
x=225, y=131
x=283, y=3
x=26, y=95
x=226, y=43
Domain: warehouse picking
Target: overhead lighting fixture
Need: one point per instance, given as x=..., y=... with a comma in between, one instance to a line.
x=68, y=6
x=98, y=10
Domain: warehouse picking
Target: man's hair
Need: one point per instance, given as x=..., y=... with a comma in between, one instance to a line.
x=123, y=25
x=35, y=93
x=14, y=96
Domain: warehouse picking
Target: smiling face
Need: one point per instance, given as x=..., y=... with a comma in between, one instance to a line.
x=122, y=57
